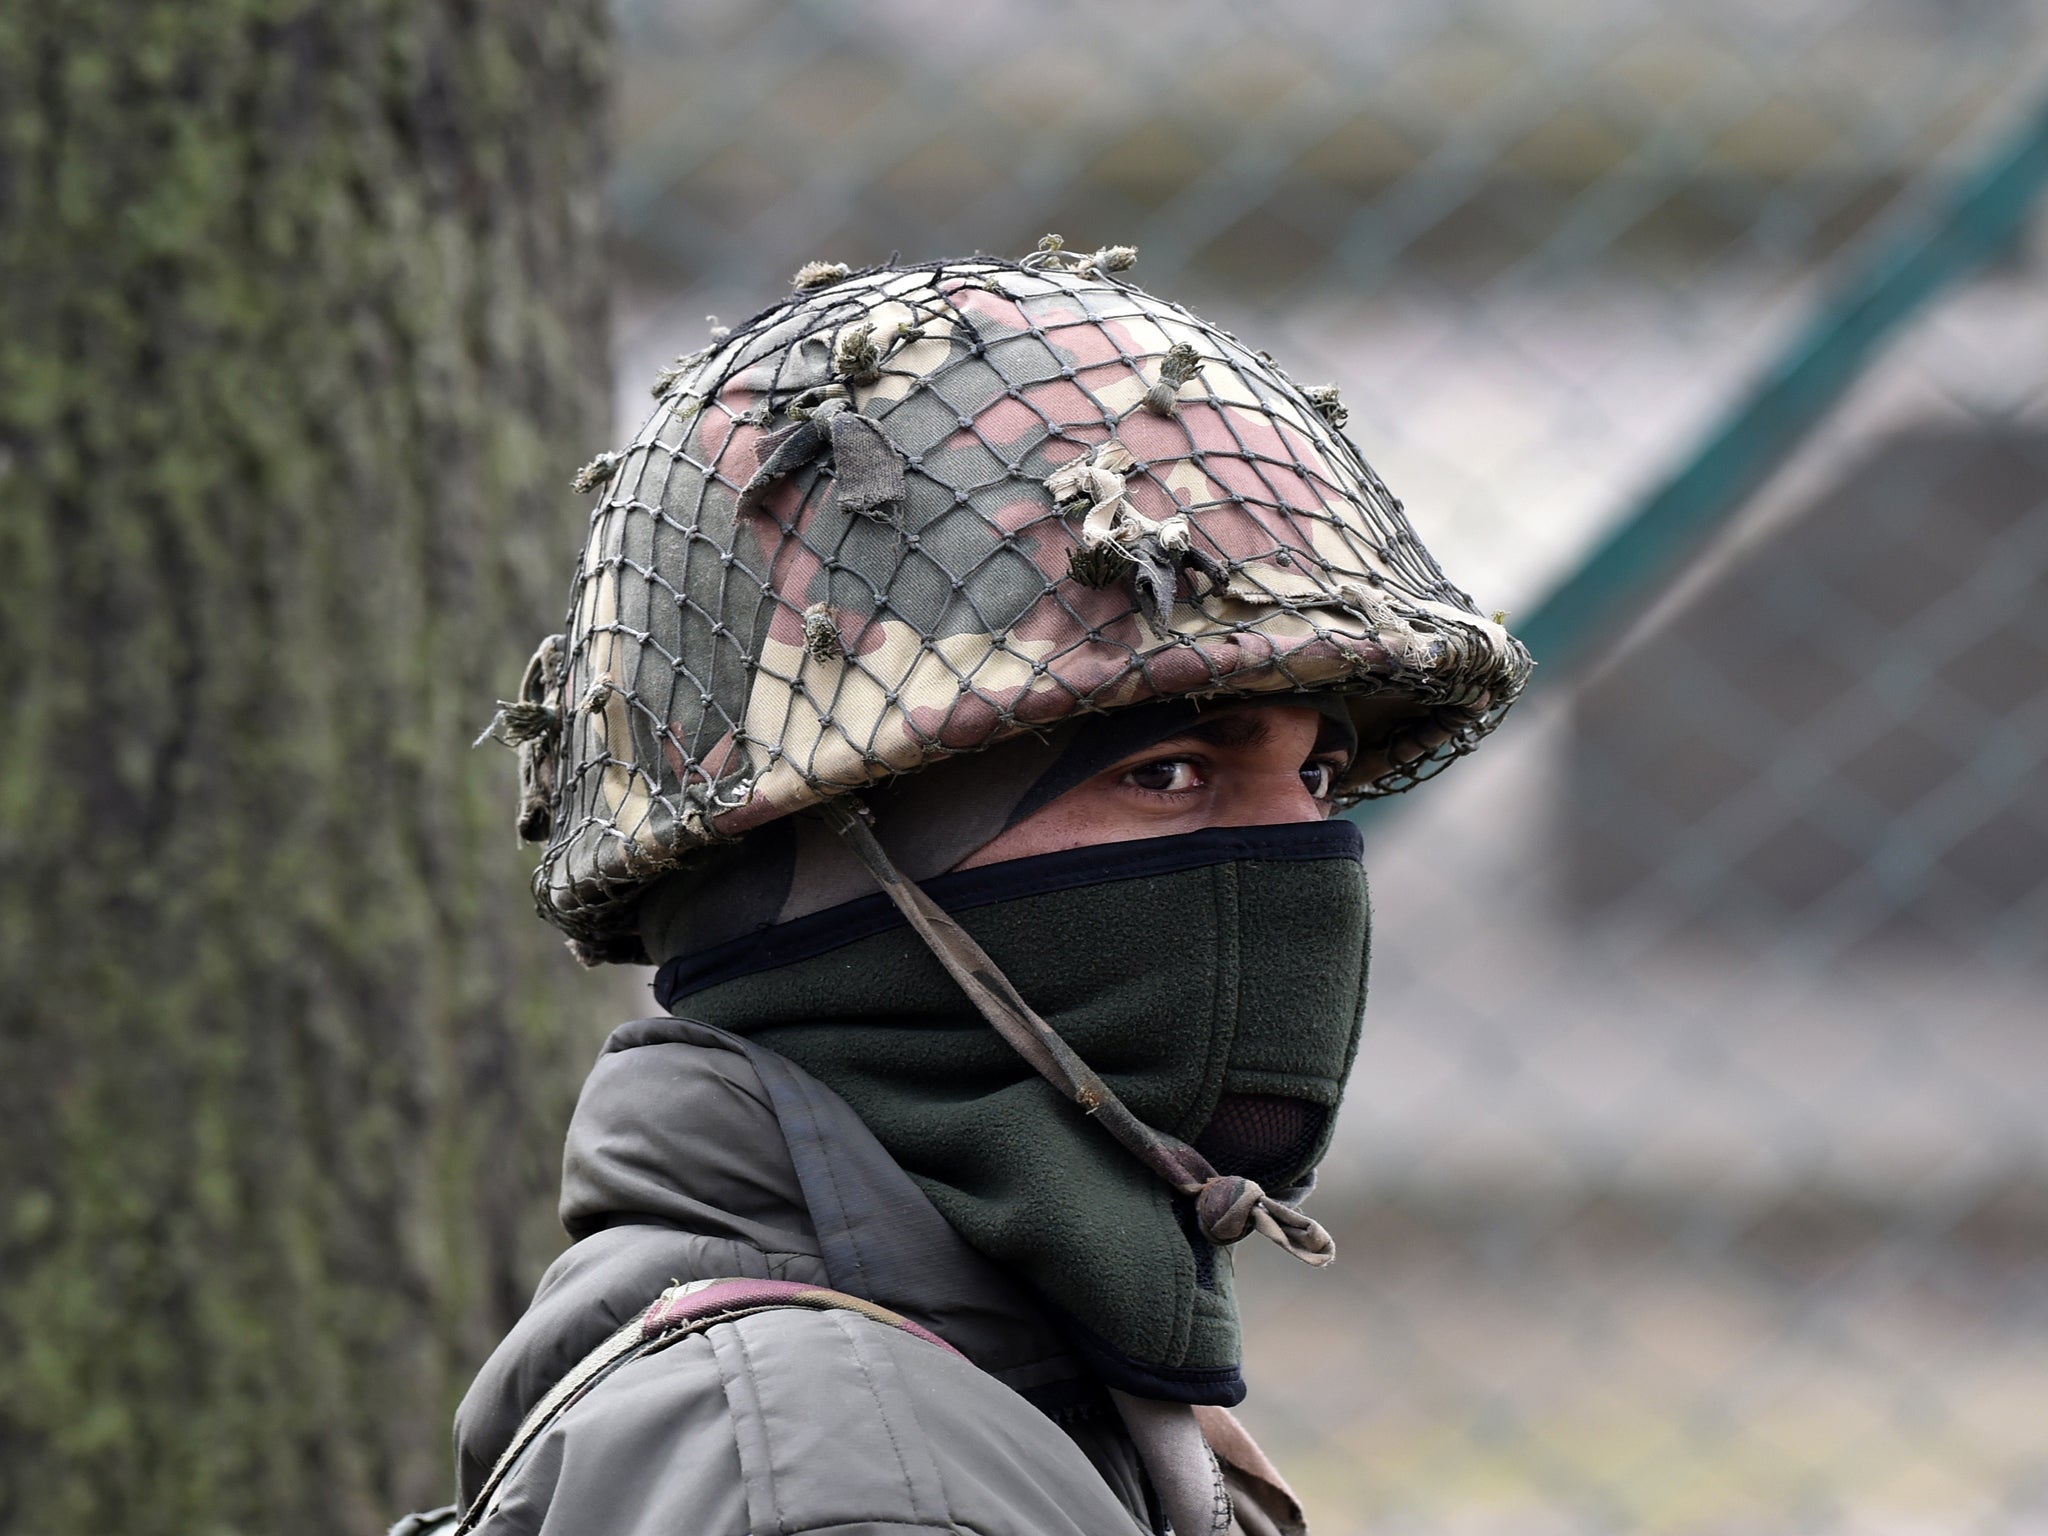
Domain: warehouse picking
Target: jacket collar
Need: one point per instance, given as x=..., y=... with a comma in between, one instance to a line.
x=876, y=1233
x=695, y=1155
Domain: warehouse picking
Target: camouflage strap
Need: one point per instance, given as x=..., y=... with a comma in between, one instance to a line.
x=1185, y=1471
x=1260, y=1498
x=678, y=1313
x=1227, y=1206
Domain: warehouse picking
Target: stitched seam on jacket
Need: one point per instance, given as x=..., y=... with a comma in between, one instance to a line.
x=850, y=1328
x=749, y=1427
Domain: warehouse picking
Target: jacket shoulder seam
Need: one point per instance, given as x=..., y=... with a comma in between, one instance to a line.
x=913, y=1485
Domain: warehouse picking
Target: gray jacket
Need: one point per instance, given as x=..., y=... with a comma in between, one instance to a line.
x=693, y=1155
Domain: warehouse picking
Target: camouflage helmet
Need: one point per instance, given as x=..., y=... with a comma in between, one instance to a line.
x=914, y=511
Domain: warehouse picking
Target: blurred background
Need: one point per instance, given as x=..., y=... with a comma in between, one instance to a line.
x=1695, y=1178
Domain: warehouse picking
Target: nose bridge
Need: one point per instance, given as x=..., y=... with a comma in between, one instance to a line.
x=1266, y=788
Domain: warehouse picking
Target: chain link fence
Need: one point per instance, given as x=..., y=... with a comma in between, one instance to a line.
x=1696, y=1177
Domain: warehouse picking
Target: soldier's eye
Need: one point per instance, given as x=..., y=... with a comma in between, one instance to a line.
x=1320, y=779
x=1167, y=776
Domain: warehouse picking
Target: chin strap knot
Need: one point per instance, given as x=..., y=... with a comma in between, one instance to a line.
x=1230, y=1207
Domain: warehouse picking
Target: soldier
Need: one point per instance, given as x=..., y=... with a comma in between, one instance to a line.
x=963, y=666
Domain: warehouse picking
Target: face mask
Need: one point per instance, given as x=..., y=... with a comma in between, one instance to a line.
x=1214, y=980
x=927, y=822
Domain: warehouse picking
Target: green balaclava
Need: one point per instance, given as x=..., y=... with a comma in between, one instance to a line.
x=1215, y=981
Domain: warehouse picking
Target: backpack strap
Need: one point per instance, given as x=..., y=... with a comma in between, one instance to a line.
x=679, y=1312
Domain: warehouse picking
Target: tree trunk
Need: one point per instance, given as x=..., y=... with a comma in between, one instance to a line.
x=301, y=336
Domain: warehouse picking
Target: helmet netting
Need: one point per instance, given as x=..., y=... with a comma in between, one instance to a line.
x=832, y=555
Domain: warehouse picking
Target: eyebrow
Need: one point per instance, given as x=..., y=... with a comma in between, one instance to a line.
x=1246, y=729
x=1238, y=729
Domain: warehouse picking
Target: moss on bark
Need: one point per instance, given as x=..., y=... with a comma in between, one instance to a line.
x=301, y=336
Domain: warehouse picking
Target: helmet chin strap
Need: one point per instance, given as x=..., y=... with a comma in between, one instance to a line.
x=1227, y=1206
